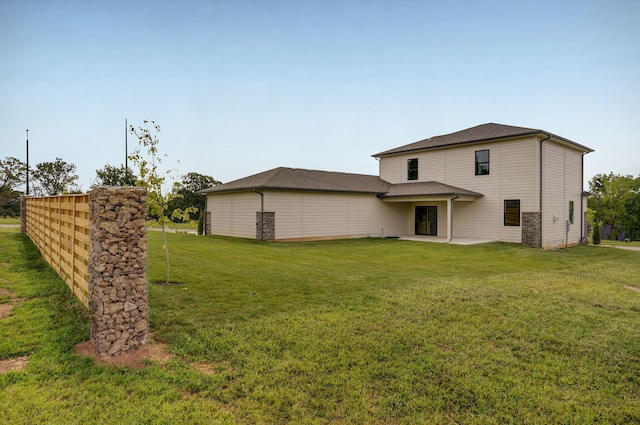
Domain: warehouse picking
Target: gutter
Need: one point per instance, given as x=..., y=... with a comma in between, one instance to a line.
x=261, y=213
x=541, y=141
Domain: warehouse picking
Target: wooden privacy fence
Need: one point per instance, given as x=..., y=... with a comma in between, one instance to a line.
x=97, y=243
x=59, y=227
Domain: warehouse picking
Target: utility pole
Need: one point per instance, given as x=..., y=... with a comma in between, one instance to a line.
x=27, y=162
x=126, y=147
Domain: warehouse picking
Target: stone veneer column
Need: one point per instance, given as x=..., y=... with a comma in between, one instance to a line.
x=118, y=298
x=266, y=226
x=531, y=226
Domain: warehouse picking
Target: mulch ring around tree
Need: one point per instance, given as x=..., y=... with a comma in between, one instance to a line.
x=165, y=283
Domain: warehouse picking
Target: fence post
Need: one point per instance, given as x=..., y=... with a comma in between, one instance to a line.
x=118, y=298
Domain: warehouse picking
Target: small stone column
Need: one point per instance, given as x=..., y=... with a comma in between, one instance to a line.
x=531, y=226
x=118, y=297
x=265, y=226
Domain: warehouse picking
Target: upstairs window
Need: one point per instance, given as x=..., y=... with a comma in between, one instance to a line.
x=412, y=169
x=482, y=162
x=571, y=212
x=512, y=212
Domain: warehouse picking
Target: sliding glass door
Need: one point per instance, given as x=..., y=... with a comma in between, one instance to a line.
x=427, y=221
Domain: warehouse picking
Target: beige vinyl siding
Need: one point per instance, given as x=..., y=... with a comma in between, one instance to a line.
x=431, y=166
x=324, y=214
x=394, y=168
x=234, y=214
x=562, y=182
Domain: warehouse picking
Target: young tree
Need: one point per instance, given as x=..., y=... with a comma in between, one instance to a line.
x=54, y=178
x=151, y=178
x=115, y=176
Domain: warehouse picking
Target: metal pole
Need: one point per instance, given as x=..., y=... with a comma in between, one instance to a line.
x=126, y=147
x=27, y=162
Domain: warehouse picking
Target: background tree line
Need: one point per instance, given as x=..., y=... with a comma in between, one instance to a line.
x=614, y=206
x=59, y=177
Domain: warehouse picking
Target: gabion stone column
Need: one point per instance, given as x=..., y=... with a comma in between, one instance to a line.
x=118, y=298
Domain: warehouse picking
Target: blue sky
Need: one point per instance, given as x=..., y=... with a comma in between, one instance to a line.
x=240, y=87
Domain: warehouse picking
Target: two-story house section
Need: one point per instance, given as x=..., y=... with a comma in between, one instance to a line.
x=531, y=182
x=489, y=182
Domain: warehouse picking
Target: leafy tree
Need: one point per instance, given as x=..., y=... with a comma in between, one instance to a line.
x=54, y=178
x=115, y=176
x=201, y=223
x=151, y=178
x=12, y=175
x=596, y=234
x=186, y=195
x=614, y=200
x=631, y=222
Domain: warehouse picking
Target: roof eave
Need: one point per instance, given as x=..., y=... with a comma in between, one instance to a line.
x=484, y=140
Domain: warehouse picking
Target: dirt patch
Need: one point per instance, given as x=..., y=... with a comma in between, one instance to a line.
x=205, y=368
x=135, y=359
x=633, y=288
x=9, y=365
x=6, y=309
x=6, y=293
x=163, y=283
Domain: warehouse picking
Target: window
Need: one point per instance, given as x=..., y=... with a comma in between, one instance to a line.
x=412, y=169
x=482, y=162
x=571, y=212
x=512, y=212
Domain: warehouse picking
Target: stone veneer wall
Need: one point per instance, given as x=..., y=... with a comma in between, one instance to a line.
x=531, y=226
x=268, y=220
x=118, y=298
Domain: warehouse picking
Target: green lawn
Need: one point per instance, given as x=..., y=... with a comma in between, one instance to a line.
x=9, y=220
x=357, y=331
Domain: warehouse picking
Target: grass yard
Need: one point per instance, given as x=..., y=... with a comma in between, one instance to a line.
x=356, y=331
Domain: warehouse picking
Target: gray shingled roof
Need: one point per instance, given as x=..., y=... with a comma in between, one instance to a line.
x=432, y=188
x=300, y=179
x=283, y=178
x=479, y=133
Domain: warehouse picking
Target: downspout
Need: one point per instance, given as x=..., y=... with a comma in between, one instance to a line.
x=540, y=192
x=261, y=213
x=206, y=206
x=451, y=216
x=583, y=238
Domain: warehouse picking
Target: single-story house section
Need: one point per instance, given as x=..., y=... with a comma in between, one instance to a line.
x=491, y=182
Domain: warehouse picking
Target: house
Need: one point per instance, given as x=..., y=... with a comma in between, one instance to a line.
x=492, y=182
